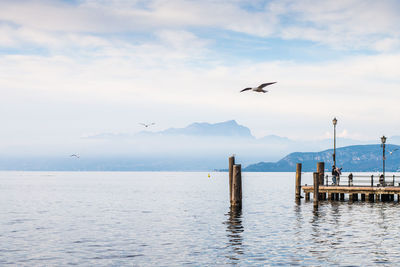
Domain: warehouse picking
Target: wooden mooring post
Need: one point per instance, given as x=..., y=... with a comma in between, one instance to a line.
x=231, y=163
x=321, y=174
x=236, y=200
x=316, y=188
x=298, y=181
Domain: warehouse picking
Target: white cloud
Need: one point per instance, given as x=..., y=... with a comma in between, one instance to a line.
x=96, y=77
x=352, y=24
x=359, y=89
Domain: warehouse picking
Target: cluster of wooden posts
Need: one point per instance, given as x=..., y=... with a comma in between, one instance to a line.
x=319, y=189
x=235, y=183
x=334, y=192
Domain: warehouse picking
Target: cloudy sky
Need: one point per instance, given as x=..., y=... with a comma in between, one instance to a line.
x=69, y=69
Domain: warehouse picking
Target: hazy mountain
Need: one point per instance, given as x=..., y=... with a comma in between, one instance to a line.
x=351, y=158
x=197, y=147
x=202, y=129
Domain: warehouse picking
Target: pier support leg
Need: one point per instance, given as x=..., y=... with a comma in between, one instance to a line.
x=237, y=186
x=341, y=196
x=307, y=196
x=371, y=197
x=362, y=197
x=330, y=196
x=298, y=181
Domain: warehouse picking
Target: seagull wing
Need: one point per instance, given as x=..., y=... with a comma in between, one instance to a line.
x=245, y=89
x=143, y=124
x=152, y=123
x=265, y=84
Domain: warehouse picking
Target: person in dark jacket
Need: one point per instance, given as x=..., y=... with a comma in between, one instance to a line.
x=333, y=175
x=338, y=173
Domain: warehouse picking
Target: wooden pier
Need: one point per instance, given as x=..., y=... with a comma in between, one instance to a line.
x=386, y=193
x=361, y=187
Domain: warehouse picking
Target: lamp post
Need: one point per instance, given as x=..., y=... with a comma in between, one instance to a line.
x=383, y=139
x=334, y=141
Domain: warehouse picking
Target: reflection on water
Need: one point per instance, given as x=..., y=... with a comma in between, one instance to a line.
x=234, y=229
x=177, y=219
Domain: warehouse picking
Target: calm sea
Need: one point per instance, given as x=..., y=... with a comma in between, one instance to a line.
x=175, y=219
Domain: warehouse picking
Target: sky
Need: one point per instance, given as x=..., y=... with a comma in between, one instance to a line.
x=69, y=69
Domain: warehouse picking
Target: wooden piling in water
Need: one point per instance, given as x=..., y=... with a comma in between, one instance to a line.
x=298, y=181
x=316, y=188
x=231, y=163
x=236, y=200
x=321, y=173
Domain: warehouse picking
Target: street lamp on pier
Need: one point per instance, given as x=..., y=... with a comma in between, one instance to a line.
x=383, y=139
x=334, y=141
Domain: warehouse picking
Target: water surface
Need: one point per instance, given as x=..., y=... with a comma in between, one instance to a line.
x=174, y=219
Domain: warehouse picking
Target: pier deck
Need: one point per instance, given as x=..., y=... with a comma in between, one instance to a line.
x=336, y=192
x=353, y=189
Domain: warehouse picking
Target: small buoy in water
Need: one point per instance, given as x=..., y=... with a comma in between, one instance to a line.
x=209, y=176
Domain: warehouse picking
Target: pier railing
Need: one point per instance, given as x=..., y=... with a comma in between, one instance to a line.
x=372, y=180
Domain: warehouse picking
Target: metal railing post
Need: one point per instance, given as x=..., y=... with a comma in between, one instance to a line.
x=372, y=180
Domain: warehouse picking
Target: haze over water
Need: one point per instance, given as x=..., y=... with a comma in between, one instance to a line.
x=171, y=219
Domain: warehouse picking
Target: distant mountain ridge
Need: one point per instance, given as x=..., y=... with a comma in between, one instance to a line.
x=357, y=158
x=200, y=129
x=227, y=128
x=199, y=146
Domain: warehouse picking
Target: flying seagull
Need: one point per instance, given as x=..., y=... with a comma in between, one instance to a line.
x=75, y=155
x=259, y=88
x=147, y=125
x=391, y=152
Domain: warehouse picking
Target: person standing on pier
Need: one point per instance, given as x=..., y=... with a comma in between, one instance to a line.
x=338, y=173
x=333, y=175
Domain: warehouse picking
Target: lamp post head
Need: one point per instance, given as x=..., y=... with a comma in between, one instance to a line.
x=334, y=121
x=383, y=139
